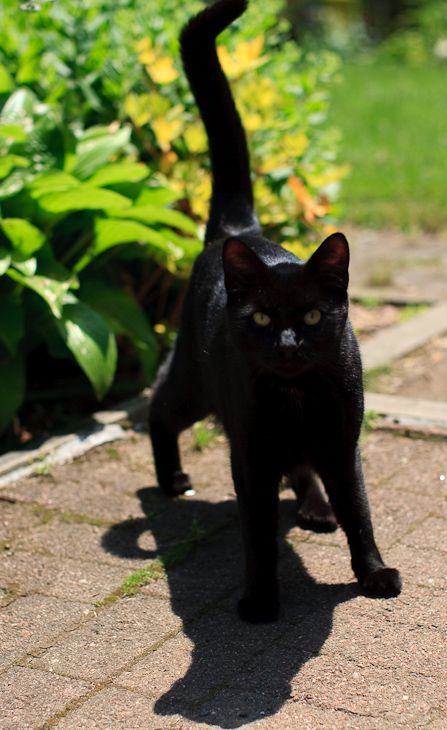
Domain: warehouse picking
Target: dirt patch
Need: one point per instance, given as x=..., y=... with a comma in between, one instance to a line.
x=422, y=374
x=369, y=320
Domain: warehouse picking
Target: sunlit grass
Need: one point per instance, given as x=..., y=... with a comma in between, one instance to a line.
x=394, y=124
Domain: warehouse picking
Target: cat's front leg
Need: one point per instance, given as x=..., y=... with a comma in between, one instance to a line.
x=345, y=486
x=257, y=495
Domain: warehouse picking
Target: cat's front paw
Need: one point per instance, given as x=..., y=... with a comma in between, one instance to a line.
x=382, y=583
x=259, y=610
x=178, y=484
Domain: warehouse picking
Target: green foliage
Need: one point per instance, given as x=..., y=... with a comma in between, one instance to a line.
x=56, y=284
x=104, y=171
x=204, y=433
x=282, y=96
x=425, y=41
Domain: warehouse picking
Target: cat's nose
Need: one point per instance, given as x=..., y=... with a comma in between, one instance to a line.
x=287, y=342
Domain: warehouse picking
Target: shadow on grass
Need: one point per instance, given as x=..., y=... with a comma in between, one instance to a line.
x=238, y=672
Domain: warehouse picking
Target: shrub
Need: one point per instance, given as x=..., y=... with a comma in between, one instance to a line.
x=65, y=219
x=104, y=170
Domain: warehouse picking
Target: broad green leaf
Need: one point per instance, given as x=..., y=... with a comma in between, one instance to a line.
x=155, y=214
x=12, y=324
x=23, y=263
x=118, y=172
x=51, y=182
x=14, y=183
x=82, y=198
x=12, y=387
x=12, y=131
x=122, y=312
x=25, y=237
x=157, y=196
x=113, y=232
x=95, y=151
x=19, y=105
x=51, y=290
x=9, y=162
x=6, y=83
x=5, y=260
x=92, y=343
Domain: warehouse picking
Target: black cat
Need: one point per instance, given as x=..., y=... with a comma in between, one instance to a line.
x=265, y=344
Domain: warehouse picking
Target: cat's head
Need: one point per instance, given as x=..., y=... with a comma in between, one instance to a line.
x=287, y=316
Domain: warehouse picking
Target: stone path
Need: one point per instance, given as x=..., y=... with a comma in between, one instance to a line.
x=118, y=605
x=82, y=646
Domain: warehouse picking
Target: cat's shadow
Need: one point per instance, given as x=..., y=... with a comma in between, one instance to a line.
x=238, y=672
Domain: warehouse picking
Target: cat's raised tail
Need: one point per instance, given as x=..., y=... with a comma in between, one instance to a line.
x=232, y=209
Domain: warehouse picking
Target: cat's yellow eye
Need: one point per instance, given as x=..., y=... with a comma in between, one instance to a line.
x=312, y=317
x=261, y=319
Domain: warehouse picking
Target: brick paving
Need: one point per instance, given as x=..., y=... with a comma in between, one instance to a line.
x=79, y=649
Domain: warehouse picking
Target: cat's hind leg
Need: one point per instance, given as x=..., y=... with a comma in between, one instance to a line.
x=314, y=511
x=176, y=404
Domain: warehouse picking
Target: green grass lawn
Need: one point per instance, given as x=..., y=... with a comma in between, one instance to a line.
x=394, y=125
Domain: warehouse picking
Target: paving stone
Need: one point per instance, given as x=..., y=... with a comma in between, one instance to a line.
x=33, y=622
x=393, y=517
x=81, y=542
x=121, y=632
x=15, y=519
x=431, y=534
x=382, y=455
x=118, y=709
x=235, y=708
x=30, y=697
x=214, y=649
x=356, y=687
x=74, y=580
x=176, y=655
x=419, y=567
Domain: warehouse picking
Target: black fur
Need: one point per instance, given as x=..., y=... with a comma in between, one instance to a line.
x=288, y=391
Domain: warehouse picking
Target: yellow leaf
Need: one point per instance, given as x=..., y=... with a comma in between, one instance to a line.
x=252, y=121
x=245, y=57
x=295, y=144
x=162, y=71
x=147, y=53
x=137, y=108
x=274, y=163
x=166, y=131
x=144, y=45
x=201, y=197
x=333, y=174
x=229, y=66
x=195, y=138
x=159, y=105
x=247, y=51
x=303, y=251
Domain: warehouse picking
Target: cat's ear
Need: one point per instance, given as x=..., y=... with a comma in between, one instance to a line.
x=331, y=260
x=242, y=267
